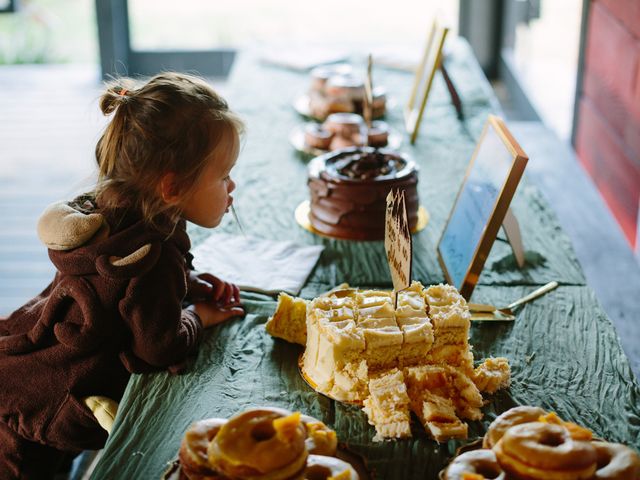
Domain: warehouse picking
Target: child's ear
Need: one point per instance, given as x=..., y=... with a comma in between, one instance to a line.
x=169, y=189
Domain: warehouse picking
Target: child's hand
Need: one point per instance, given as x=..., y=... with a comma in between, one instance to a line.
x=204, y=287
x=211, y=314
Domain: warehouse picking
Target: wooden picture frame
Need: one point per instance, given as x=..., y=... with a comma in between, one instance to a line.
x=491, y=179
x=425, y=73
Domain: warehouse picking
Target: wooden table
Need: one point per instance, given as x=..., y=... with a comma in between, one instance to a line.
x=563, y=350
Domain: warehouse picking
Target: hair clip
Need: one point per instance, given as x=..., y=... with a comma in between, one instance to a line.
x=123, y=92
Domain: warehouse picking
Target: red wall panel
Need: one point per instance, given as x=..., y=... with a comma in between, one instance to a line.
x=616, y=175
x=627, y=11
x=614, y=112
x=608, y=136
x=613, y=56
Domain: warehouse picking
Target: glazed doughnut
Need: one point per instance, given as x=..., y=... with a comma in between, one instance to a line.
x=481, y=463
x=320, y=75
x=514, y=416
x=265, y=444
x=379, y=104
x=320, y=467
x=616, y=462
x=543, y=451
x=318, y=106
x=348, y=87
x=321, y=440
x=193, y=450
x=576, y=431
x=344, y=124
x=338, y=142
x=378, y=134
x=316, y=136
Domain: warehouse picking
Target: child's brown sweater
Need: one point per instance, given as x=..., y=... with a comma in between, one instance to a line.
x=113, y=308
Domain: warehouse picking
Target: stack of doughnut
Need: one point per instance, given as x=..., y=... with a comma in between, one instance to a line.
x=335, y=88
x=343, y=130
x=527, y=443
x=262, y=444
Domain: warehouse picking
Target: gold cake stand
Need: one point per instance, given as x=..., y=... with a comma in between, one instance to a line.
x=302, y=218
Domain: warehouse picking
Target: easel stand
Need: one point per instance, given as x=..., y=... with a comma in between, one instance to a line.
x=455, y=98
x=514, y=237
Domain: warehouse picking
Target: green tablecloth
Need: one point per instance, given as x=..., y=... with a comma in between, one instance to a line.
x=563, y=350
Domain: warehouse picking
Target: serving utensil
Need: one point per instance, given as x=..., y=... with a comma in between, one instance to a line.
x=480, y=311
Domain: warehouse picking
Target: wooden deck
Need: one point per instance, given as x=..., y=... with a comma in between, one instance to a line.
x=50, y=121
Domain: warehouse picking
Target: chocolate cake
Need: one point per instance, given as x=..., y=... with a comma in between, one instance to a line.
x=349, y=188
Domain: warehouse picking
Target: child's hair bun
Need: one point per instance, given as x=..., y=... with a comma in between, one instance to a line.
x=117, y=93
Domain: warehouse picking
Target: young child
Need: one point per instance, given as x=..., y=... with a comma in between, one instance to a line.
x=124, y=272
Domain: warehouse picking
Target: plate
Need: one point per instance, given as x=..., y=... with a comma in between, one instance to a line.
x=301, y=105
x=174, y=471
x=302, y=218
x=296, y=137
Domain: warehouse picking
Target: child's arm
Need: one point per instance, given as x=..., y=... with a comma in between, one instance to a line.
x=163, y=334
x=205, y=287
x=214, y=300
x=211, y=314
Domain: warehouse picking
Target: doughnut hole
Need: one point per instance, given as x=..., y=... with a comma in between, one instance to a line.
x=318, y=472
x=552, y=439
x=263, y=431
x=490, y=472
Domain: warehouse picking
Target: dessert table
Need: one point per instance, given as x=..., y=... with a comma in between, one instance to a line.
x=563, y=350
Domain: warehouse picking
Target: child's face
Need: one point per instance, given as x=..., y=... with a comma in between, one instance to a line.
x=211, y=197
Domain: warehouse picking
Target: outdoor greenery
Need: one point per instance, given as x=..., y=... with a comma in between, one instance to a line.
x=49, y=31
x=65, y=31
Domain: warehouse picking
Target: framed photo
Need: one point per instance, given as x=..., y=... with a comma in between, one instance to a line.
x=431, y=59
x=479, y=210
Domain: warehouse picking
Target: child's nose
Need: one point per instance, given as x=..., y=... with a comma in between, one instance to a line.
x=231, y=186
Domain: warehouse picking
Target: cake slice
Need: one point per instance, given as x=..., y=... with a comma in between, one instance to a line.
x=376, y=319
x=492, y=375
x=450, y=317
x=447, y=382
x=431, y=391
x=387, y=406
x=375, y=309
x=437, y=415
x=413, y=321
x=289, y=321
x=382, y=347
x=335, y=347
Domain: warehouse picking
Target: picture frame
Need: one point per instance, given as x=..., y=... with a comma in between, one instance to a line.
x=481, y=205
x=423, y=79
